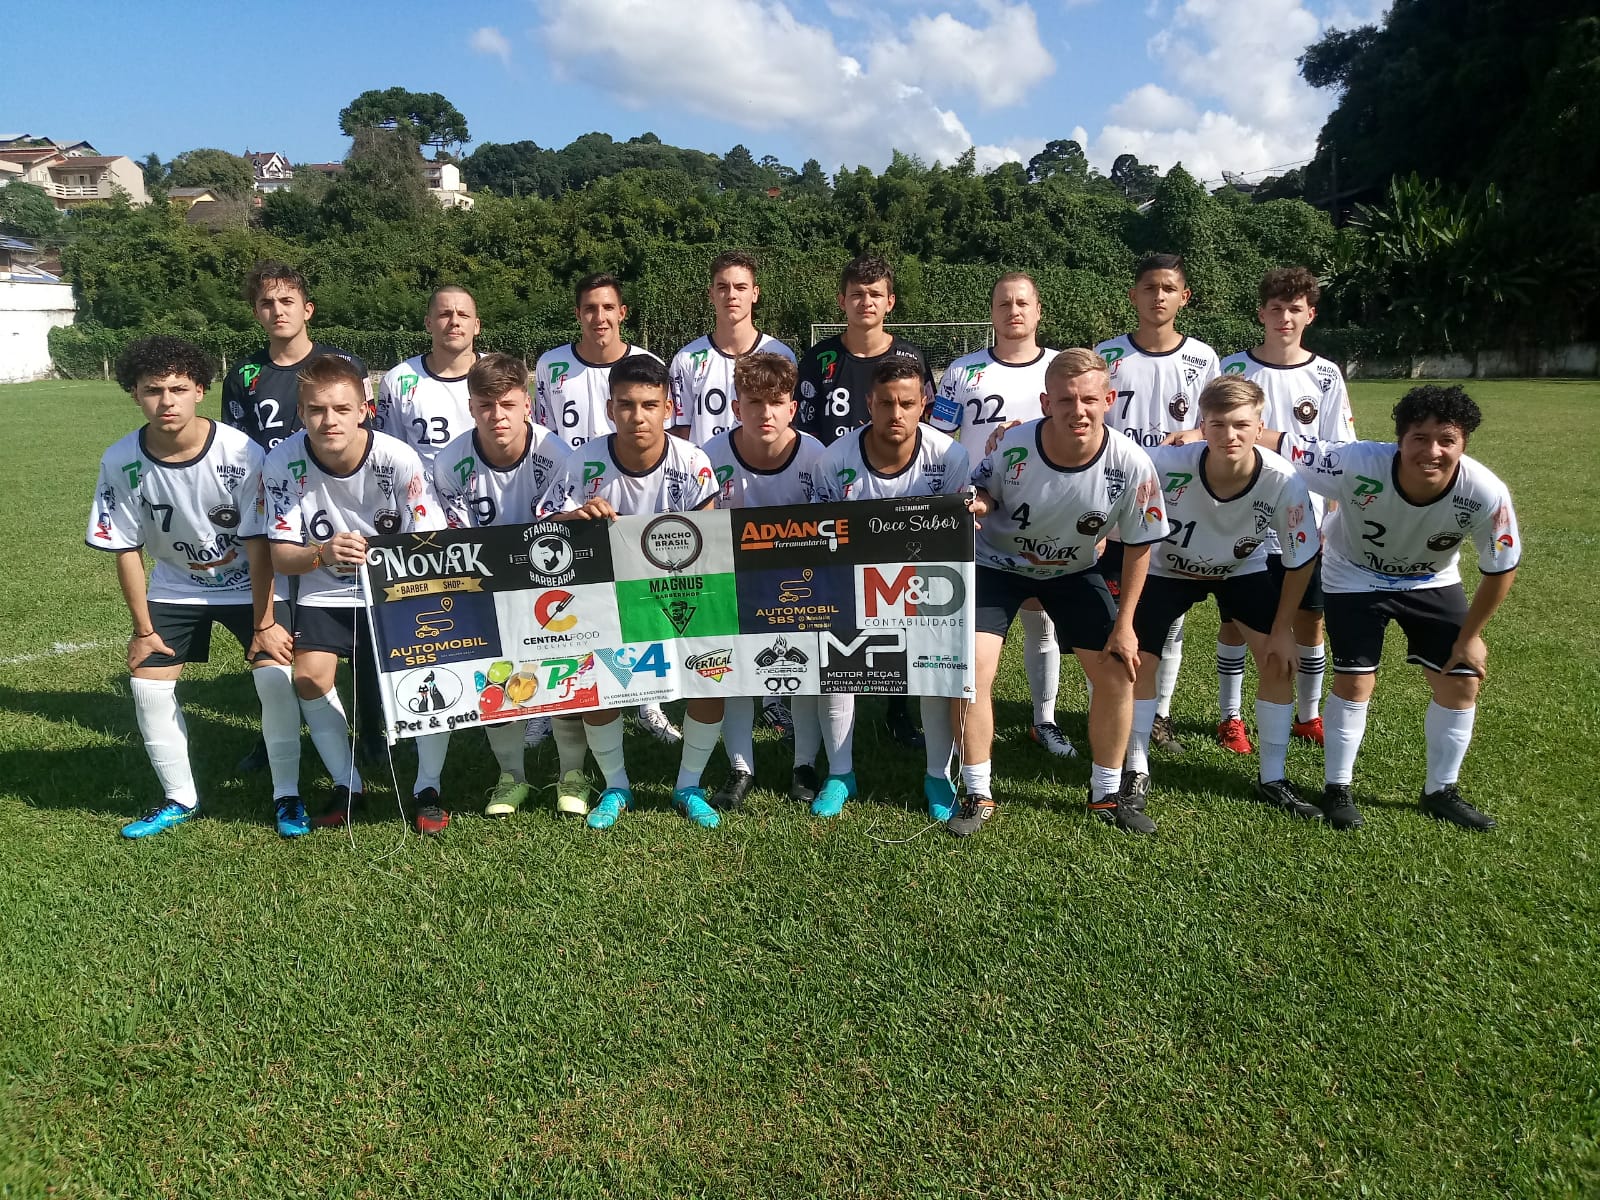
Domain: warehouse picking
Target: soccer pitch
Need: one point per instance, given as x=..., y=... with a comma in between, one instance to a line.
x=1240, y=1006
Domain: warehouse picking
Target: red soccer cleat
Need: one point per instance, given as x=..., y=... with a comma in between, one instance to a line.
x=1232, y=735
x=1310, y=730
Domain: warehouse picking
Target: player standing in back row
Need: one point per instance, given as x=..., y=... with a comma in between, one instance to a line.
x=1305, y=397
x=980, y=393
x=835, y=383
x=1157, y=374
x=702, y=372
x=423, y=401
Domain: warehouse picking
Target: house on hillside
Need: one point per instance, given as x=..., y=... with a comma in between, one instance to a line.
x=445, y=186
x=69, y=176
x=272, y=170
x=191, y=197
x=33, y=301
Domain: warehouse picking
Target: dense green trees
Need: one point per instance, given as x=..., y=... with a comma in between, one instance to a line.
x=228, y=175
x=426, y=118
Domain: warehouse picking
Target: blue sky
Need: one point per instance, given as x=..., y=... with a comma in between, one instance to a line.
x=1211, y=83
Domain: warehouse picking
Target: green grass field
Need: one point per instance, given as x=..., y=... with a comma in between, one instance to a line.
x=1241, y=1006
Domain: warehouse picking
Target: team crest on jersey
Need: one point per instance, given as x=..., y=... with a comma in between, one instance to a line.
x=1116, y=483
x=1441, y=542
x=1091, y=523
x=702, y=362
x=298, y=469
x=847, y=480
x=829, y=360
x=1233, y=369
x=249, y=373
x=1177, y=483
x=225, y=515
x=1325, y=377
x=1305, y=410
x=408, y=384
x=725, y=480
x=1263, y=514
x=558, y=374
x=1016, y=461
x=1245, y=547
x=1178, y=406
x=974, y=375
x=594, y=476
x=1367, y=490
x=1466, y=509
x=1112, y=355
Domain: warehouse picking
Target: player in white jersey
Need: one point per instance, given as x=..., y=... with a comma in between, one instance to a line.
x=980, y=393
x=640, y=468
x=328, y=488
x=703, y=388
x=186, y=490
x=497, y=474
x=1157, y=374
x=572, y=383
x=1048, y=492
x=423, y=401
x=1305, y=397
x=763, y=460
x=893, y=455
x=1391, y=552
x=1224, y=497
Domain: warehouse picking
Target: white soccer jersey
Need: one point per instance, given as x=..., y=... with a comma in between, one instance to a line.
x=1047, y=518
x=939, y=467
x=424, y=410
x=190, y=517
x=474, y=492
x=1209, y=538
x=681, y=482
x=1378, y=540
x=739, y=485
x=570, y=394
x=388, y=492
x=1309, y=402
x=1157, y=394
x=702, y=385
x=979, y=391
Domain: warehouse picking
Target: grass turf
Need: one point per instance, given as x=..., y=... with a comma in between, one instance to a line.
x=1241, y=1006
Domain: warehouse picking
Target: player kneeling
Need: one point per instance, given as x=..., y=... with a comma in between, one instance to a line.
x=1046, y=494
x=640, y=469
x=329, y=487
x=764, y=460
x=1223, y=495
x=187, y=490
x=1392, y=553
x=496, y=474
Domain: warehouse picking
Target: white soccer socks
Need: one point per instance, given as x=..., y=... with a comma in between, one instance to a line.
x=839, y=731
x=975, y=777
x=1449, y=733
x=699, y=741
x=1273, y=722
x=1344, y=725
x=938, y=734
x=738, y=732
x=1313, y=666
x=507, y=741
x=330, y=734
x=803, y=711
x=1167, y=672
x=1137, y=757
x=1042, y=658
x=431, y=751
x=166, y=737
x=1230, y=680
x=605, y=742
x=280, y=726
x=572, y=743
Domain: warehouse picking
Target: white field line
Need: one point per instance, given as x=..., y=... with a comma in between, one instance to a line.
x=56, y=648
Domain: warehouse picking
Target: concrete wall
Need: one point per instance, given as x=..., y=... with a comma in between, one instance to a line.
x=1578, y=359
x=28, y=311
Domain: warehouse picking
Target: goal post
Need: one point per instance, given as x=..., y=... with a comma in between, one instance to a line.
x=942, y=341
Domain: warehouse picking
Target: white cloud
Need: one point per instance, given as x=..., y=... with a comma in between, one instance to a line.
x=491, y=41
x=1152, y=106
x=753, y=64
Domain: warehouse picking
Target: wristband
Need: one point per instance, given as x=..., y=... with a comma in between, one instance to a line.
x=264, y=628
x=139, y=636
x=316, y=559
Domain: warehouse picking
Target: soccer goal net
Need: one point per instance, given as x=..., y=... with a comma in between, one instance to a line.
x=942, y=341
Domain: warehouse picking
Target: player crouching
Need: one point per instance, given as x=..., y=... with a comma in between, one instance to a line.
x=328, y=488
x=1222, y=496
x=186, y=489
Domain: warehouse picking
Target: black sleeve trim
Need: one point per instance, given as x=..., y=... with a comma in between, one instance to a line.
x=112, y=549
x=1507, y=571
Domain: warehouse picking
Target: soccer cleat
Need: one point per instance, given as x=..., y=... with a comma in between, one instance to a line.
x=255, y=761
x=1232, y=735
x=613, y=803
x=506, y=796
x=537, y=733
x=803, y=784
x=1049, y=736
x=972, y=815
x=940, y=794
x=730, y=796
x=1125, y=809
x=835, y=791
x=654, y=722
x=1447, y=805
x=292, y=819
x=431, y=817
x=691, y=802
x=1338, y=809
x=775, y=716
x=158, y=820
x=1281, y=794
x=572, y=795
x=341, y=810
x=901, y=727
x=1165, y=738
x=1310, y=731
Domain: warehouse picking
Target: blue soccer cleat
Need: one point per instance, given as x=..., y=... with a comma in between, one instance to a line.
x=940, y=794
x=613, y=803
x=830, y=800
x=691, y=802
x=159, y=820
x=292, y=819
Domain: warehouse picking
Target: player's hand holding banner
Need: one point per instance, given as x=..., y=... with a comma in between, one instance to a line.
x=510, y=622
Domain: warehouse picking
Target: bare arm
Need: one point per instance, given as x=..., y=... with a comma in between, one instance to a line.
x=1122, y=644
x=145, y=640
x=1470, y=650
x=270, y=637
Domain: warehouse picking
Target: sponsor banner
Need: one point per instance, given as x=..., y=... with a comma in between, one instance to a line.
x=478, y=626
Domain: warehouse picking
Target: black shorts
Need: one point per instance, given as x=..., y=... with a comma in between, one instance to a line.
x=1109, y=564
x=1431, y=619
x=338, y=631
x=1251, y=600
x=1079, y=605
x=1313, y=600
x=187, y=629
